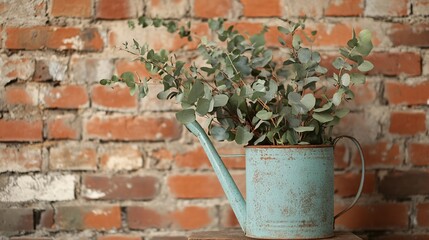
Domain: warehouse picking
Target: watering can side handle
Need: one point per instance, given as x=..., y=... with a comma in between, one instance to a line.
x=362, y=179
x=238, y=204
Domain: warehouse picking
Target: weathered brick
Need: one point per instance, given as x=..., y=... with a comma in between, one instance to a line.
x=402, y=236
x=152, y=103
x=407, y=94
x=119, y=187
x=393, y=64
x=98, y=217
x=362, y=126
x=211, y=9
x=30, y=238
x=423, y=214
x=344, y=8
x=132, y=128
x=311, y=8
x=418, y=153
x=53, y=68
x=409, y=34
x=341, y=156
x=117, y=158
x=112, y=9
x=73, y=156
x=65, y=97
x=37, y=187
x=377, y=8
x=71, y=8
x=421, y=7
x=169, y=238
x=195, y=185
x=20, y=159
x=380, y=154
x=22, y=95
x=90, y=70
x=57, y=38
x=15, y=68
x=192, y=217
x=407, y=123
x=146, y=217
x=21, y=130
x=167, y=8
x=64, y=126
x=113, y=98
x=347, y=184
x=16, y=219
x=119, y=237
x=399, y=184
x=374, y=216
x=267, y=8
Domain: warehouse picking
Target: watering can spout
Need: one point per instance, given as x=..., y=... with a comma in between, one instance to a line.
x=234, y=196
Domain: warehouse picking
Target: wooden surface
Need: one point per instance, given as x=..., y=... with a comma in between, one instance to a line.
x=239, y=235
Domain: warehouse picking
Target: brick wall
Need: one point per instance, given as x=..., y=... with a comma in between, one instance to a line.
x=81, y=161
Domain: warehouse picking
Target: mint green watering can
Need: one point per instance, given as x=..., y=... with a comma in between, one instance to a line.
x=290, y=189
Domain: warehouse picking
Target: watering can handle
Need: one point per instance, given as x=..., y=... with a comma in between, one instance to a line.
x=362, y=179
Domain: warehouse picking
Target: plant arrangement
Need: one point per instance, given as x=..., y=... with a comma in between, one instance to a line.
x=247, y=94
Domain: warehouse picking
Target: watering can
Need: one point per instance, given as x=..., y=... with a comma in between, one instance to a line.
x=290, y=189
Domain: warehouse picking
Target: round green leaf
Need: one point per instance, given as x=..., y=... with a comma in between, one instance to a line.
x=186, y=116
x=301, y=129
x=365, y=66
x=309, y=101
x=203, y=106
x=323, y=117
x=345, y=79
x=304, y=55
x=220, y=100
x=243, y=136
x=264, y=115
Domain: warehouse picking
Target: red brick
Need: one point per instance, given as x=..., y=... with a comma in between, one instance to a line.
x=192, y=217
x=73, y=156
x=21, y=95
x=20, y=159
x=88, y=217
x=116, y=97
x=197, y=29
x=407, y=94
x=113, y=9
x=333, y=35
x=145, y=217
x=391, y=8
x=375, y=216
x=21, y=130
x=167, y=9
x=344, y=8
x=381, y=153
x=211, y=9
x=423, y=214
x=120, y=187
x=197, y=158
x=16, y=219
x=71, y=8
x=365, y=94
x=67, y=126
x=57, y=38
x=41, y=72
x=133, y=128
x=169, y=238
x=418, y=154
x=407, y=123
x=117, y=158
x=196, y=185
x=393, y=64
x=228, y=218
x=267, y=8
x=66, y=97
x=118, y=237
x=399, y=184
x=46, y=220
x=341, y=157
x=347, y=184
x=136, y=67
x=410, y=35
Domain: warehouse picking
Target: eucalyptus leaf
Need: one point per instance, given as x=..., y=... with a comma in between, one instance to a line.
x=309, y=101
x=365, y=66
x=301, y=129
x=357, y=78
x=323, y=117
x=345, y=79
x=203, y=106
x=342, y=112
x=264, y=115
x=304, y=55
x=220, y=100
x=243, y=136
x=186, y=116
